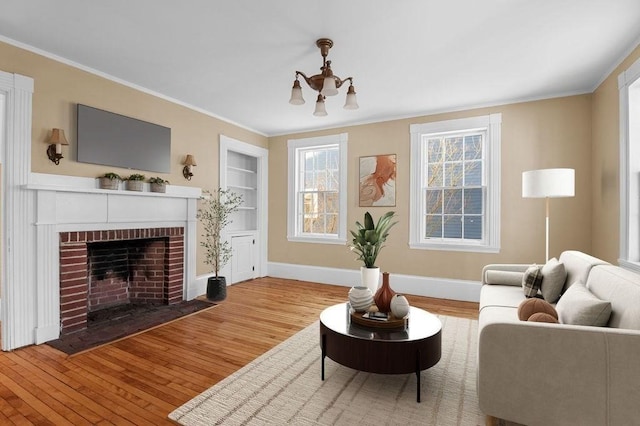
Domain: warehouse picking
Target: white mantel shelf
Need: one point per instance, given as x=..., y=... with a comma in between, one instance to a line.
x=60, y=183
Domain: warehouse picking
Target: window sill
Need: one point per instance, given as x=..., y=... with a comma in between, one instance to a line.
x=455, y=247
x=317, y=240
x=630, y=265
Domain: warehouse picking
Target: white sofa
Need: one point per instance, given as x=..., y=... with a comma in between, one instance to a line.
x=537, y=373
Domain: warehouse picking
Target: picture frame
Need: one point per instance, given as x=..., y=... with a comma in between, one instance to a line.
x=377, y=181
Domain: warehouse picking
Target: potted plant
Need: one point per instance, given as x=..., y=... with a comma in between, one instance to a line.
x=109, y=181
x=215, y=214
x=134, y=182
x=367, y=242
x=157, y=184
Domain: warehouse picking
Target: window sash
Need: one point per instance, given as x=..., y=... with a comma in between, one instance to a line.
x=444, y=172
x=487, y=181
x=317, y=199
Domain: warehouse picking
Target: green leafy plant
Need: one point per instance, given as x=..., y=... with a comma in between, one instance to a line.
x=136, y=176
x=111, y=176
x=368, y=239
x=158, y=181
x=215, y=214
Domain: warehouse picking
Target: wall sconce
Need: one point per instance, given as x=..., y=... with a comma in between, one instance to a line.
x=189, y=162
x=55, y=141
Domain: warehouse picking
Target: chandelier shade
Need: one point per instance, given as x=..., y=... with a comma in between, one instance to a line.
x=325, y=83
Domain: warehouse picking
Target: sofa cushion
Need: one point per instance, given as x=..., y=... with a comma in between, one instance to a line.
x=501, y=295
x=578, y=306
x=621, y=287
x=553, y=278
x=543, y=317
x=503, y=277
x=578, y=265
x=529, y=307
x=531, y=281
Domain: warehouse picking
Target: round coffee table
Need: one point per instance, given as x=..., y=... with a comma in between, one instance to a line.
x=374, y=350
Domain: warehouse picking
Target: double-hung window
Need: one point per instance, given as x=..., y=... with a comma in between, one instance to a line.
x=317, y=201
x=455, y=184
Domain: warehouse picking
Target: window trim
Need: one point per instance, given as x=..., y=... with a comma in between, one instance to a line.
x=491, y=124
x=292, y=146
x=625, y=80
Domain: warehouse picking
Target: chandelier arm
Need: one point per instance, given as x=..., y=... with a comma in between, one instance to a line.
x=304, y=76
x=340, y=82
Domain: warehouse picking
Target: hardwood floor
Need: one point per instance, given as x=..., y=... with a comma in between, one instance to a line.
x=139, y=380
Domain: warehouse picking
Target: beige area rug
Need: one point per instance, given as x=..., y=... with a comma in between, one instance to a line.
x=283, y=386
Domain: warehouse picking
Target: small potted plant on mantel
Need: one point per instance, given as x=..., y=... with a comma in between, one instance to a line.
x=367, y=242
x=109, y=181
x=134, y=182
x=157, y=184
x=215, y=214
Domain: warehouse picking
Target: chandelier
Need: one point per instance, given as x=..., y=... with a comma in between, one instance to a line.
x=325, y=83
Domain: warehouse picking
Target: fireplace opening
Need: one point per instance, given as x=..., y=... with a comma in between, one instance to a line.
x=106, y=270
x=124, y=272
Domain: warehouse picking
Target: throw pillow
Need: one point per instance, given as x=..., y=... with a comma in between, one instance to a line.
x=578, y=306
x=542, y=317
x=553, y=277
x=529, y=307
x=531, y=281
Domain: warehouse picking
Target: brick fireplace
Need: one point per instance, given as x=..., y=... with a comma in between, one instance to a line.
x=101, y=269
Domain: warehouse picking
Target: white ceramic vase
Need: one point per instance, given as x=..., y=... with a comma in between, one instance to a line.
x=360, y=298
x=399, y=306
x=370, y=277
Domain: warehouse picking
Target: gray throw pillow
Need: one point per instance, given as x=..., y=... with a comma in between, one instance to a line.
x=553, y=277
x=531, y=280
x=578, y=306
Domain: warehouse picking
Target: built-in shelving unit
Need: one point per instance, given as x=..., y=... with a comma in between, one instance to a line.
x=242, y=178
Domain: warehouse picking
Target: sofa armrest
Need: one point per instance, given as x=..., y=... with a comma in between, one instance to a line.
x=555, y=374
x=503, y=273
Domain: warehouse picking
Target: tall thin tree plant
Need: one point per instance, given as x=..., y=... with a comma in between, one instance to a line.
x=215, y=214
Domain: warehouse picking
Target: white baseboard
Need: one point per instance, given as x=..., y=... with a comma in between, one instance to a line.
x=441, y=288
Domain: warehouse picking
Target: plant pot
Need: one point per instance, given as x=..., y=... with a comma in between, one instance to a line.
x=370, y=277
x=217, y=288
x=134, y=185
x=106, y=183
x=158, y=187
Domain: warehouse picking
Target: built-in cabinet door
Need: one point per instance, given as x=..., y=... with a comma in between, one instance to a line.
x=242, y=260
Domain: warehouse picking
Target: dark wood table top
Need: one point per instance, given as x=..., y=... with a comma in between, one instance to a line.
x=422, y=325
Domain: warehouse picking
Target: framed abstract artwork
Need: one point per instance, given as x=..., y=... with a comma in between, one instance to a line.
x=377, y=181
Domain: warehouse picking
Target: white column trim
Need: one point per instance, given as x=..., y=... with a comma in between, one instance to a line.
x=19, y=280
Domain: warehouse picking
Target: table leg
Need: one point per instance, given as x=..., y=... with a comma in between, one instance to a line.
x=418, y=375
x=323, y=348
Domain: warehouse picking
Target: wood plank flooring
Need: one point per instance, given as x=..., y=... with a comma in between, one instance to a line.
x=139, y=380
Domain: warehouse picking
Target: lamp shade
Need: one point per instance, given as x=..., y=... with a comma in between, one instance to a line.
x=351, y=102
x=57, y=137
x=320, y=111
x=296, y=94
x=190, y=160
x=548, y=183
x=329, y=86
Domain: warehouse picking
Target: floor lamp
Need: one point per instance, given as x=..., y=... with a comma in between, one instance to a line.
x=548, y=183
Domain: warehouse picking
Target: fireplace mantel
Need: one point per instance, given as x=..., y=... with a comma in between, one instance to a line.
x=68, y=203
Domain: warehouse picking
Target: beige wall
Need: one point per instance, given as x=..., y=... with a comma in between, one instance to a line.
x=59, y=87
x=542, y=134
x=606, y=164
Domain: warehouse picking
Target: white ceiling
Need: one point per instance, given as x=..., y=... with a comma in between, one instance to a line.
x=236, y=59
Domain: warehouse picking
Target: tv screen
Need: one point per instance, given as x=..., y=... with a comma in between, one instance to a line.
x=115, y=140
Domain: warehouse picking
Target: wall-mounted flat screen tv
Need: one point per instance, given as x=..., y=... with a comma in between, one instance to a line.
x=115, y=140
